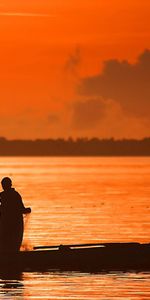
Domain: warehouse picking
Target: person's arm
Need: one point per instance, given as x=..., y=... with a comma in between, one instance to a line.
x=25, y=210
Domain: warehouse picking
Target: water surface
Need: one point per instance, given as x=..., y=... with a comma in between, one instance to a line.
x=81, y=200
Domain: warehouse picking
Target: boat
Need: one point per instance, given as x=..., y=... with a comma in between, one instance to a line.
x=80, y=257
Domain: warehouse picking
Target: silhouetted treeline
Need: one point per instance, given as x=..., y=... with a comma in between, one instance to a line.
x=75, y=147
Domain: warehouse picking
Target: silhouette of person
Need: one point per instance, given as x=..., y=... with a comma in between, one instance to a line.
x=11, y=217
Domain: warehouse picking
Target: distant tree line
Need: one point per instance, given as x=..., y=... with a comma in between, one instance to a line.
x=75, y=147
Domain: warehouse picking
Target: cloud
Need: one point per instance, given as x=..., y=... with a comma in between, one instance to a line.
x=87, y=113
x=24, y=14
x=127, y=84
x=53, y=118
x=114, y=102
x=73, y=61
x=105, y=119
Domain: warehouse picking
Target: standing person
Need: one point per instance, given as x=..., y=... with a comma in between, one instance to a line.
x=11, y=217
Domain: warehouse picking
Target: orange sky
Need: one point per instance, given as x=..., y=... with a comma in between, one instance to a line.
x=48, y=47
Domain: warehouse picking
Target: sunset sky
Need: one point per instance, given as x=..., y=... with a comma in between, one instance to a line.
x=74, y=68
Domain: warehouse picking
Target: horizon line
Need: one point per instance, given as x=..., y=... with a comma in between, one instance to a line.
x=75, y=138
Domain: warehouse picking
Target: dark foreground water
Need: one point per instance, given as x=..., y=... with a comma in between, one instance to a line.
x=77, y=200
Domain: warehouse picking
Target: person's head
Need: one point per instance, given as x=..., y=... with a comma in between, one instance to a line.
x=6, y=183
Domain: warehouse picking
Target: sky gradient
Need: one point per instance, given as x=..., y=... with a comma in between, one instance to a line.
x=74, y=68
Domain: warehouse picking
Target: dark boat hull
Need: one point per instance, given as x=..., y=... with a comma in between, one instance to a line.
x=106, y=257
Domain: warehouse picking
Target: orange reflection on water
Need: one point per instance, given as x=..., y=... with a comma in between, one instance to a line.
x=83, y=200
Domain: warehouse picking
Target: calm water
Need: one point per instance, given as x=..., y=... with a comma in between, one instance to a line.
x=77, y=200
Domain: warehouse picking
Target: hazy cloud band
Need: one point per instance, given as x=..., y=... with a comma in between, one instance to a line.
x=22, y=14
